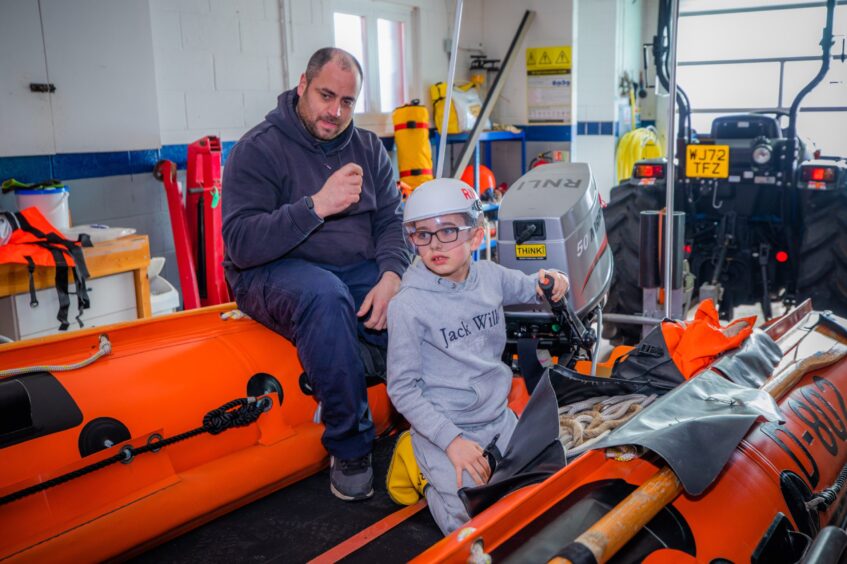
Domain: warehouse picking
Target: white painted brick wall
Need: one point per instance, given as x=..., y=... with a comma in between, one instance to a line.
x=276, y=74
x=172, y=113
x=272, y=11
x=253, y=9
x=184, y=71
x=241, y=72
x=219, y=66
x=166, y=33
x=215, y=109
x=596, y=65
x=257, y=105
x=255, y=34
x=216, y=34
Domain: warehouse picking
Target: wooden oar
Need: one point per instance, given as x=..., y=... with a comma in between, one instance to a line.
x=611, y=532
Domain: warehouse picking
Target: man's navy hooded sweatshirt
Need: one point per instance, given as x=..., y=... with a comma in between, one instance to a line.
x=267, y=177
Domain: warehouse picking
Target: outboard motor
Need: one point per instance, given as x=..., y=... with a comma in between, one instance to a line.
x=551, y=218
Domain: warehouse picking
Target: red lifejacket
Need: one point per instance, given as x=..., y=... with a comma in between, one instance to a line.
x=35, y=242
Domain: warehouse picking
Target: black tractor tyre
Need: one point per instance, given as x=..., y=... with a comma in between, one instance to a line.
x=822, y=264
x=622, y=218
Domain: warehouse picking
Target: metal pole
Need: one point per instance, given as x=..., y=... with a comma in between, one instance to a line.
x=445, y=120
x=493, y=93
x=671, y=169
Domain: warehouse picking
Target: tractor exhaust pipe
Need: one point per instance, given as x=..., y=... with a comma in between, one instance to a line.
x=826, y=45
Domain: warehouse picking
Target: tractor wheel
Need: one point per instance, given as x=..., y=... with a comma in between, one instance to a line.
x=622, y=217
x=822, y=265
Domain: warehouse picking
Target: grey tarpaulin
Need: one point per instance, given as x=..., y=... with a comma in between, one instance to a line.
x=696, y=427
x=752, y=362
x=533, y=454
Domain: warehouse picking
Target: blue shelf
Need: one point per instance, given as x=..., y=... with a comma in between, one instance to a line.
x=483, y=137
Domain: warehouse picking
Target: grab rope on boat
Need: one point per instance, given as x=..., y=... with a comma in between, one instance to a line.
x=104, y=349
x=236, y=413
x=822, y=500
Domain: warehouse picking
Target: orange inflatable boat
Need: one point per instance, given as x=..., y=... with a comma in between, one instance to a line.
x=121, y=438
x=159, y=379
x=781, y=486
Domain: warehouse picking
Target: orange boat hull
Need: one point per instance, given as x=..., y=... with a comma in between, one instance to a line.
x=162, y=376
x=732, y=517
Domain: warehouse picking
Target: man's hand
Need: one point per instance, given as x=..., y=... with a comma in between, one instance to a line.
x=340, y=191
x=468, y=456
x=377, y=301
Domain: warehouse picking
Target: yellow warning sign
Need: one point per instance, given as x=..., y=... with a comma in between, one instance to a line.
x=537, y=251
x=548, y=59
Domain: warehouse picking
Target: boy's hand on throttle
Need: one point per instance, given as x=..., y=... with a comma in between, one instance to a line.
x=340, y=191
x=468, y=456
x=560, y=283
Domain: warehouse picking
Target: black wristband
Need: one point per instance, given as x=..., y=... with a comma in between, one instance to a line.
x=310, y=203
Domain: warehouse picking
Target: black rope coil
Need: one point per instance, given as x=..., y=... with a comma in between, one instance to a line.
x=236, y=413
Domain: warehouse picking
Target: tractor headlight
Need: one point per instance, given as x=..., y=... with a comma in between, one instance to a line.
x=762, y=154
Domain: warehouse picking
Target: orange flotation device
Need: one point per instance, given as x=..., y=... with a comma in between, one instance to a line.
x=695, y=344
x=411, y=135
x=35, y=242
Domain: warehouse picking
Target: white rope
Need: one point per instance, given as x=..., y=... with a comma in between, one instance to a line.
x=583, y=423
x=234, y=314
x=105, y=348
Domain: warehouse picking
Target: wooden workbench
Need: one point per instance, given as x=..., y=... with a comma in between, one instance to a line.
x=127, y=254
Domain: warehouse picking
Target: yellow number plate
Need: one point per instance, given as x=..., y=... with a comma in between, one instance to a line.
x=707, y=161
x=537, y=251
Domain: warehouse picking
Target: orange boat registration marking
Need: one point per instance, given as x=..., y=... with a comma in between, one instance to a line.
x=535, y=251
x=707, y=161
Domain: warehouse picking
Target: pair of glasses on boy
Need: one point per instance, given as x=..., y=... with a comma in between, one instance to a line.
x=445, y=235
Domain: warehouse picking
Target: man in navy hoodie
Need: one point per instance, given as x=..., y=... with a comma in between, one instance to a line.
x=315, y=246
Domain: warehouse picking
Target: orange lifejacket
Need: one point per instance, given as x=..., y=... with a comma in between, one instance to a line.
x=693, y=345
x=35, y=242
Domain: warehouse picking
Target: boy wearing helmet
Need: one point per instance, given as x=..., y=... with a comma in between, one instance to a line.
x=446, y=337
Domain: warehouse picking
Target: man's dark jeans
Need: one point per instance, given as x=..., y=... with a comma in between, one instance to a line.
x=314, y=306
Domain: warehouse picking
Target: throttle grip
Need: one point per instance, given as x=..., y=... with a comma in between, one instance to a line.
x=546, y=285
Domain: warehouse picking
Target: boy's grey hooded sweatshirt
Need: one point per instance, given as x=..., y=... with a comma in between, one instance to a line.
x=445, y=341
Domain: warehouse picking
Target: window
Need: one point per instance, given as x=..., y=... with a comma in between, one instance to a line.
x=750, y=55
x=350, y=36
x=377, y=34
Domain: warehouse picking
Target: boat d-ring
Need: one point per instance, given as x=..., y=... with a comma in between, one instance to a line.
x=153, y=440
x=265, y=403
x=128, y=453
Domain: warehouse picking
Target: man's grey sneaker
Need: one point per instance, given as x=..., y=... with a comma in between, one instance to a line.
x=351, y=480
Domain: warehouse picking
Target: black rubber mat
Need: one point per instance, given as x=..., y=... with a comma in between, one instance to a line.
x=303, y=521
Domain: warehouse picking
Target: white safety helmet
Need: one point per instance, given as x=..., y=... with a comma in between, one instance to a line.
x=442, y=196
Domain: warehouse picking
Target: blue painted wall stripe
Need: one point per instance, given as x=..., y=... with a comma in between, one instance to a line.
x=70, y=166
x=547, y=132
x=26, y=169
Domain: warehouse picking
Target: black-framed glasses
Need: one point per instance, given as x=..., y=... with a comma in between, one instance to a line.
x=445, y=235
